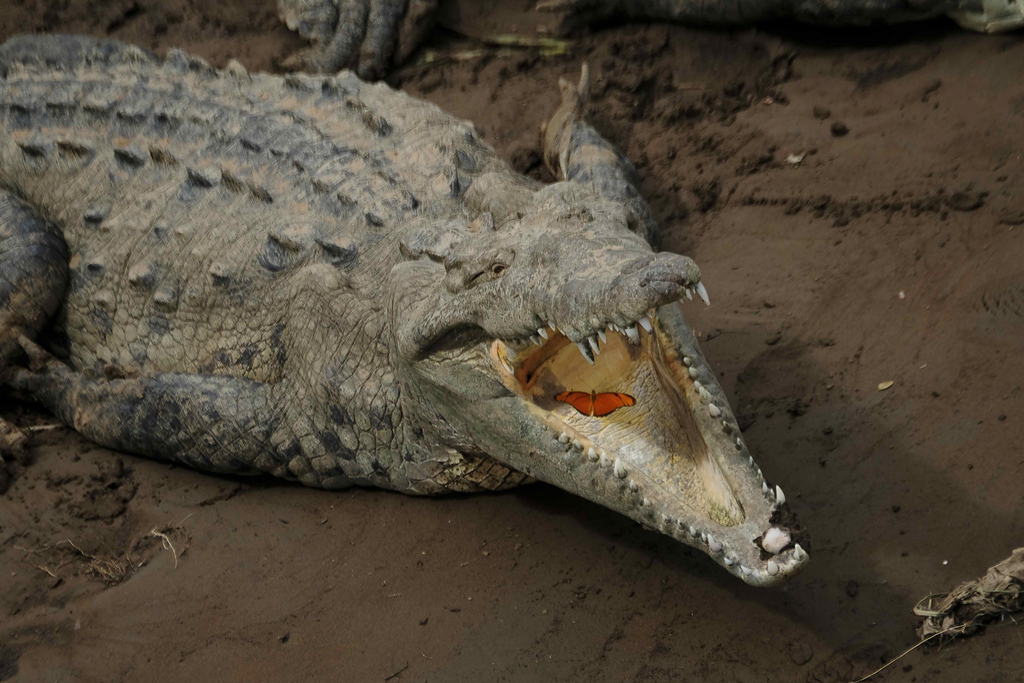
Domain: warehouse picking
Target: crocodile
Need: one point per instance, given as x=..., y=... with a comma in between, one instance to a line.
x=331, y=282
x=372, y=35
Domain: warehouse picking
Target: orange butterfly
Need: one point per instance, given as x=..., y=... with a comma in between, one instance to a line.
x=595, y=404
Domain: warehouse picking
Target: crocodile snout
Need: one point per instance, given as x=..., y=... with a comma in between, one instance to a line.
x=670, y=269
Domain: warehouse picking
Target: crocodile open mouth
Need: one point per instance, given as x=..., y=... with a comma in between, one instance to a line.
x=668, y=436
x=662, y=424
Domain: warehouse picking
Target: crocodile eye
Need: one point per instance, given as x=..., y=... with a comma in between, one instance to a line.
x=497, y=269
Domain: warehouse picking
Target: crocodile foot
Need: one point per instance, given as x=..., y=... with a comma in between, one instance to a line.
x=12, y=447
x=366, y=35
x=13, y=441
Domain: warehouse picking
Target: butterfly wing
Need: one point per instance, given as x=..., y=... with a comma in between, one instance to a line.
x=610, y=402
x=579, y=400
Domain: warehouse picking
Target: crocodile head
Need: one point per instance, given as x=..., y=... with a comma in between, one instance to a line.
x=496, y=320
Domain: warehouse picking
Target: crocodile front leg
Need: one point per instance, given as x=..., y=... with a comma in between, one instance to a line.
x=33, y=276
x=368, y=35
x=221, y=424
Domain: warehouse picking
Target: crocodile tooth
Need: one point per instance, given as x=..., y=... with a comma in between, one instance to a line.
x=592, y=454
x=645, y=502
x=747, y=571
x=687, y=361
x=633, y=334
x=751, y=460
x=689, y=294
x=780, y=497
x=620, y=469
x=714, y=410
x=585, y=351
x=704, y=394
x=543, y=332
x=713, y=545
x=728, y=561
x=536, y=340
x=692, y=530
x=577, y=445
x=798, y=553
x=702, y=292
x=603, y=336
x=645, y=323
x=694, y=372
x=592, y=340
x=605, y=462
x=553, y=327
x=773, y=567
x=563, y=438
x=764, y=487
x=633, y=486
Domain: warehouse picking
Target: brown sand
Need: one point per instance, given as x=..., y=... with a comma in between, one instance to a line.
x=894, y=253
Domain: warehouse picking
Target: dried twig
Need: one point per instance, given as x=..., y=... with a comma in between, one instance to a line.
x=972, y=604
x=112, y=571
x=43, y=428
x=904, y=654
x=396, y=674
x=47, y=570
x=165, y=540
x=436, y=57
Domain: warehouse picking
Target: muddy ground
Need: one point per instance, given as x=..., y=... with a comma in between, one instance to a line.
x=892, y=252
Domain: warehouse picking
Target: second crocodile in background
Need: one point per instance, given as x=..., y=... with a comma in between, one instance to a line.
x=331, y=282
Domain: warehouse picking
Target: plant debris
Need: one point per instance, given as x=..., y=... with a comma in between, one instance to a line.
x=973, y=604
